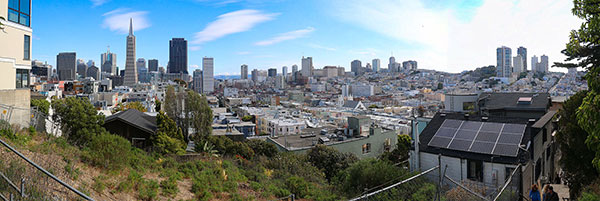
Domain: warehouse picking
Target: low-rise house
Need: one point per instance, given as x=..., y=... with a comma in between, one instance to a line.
x=133, y=125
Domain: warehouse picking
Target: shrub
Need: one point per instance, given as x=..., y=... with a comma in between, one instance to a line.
x=78, y=118
x=148, y=190
x=277, y=191
x=108, y=151
x=99, y=183
x=366, y=174
x=330, y=160
x=298, y=186
x=241, y=149
x=261, y=147
x=169, y=187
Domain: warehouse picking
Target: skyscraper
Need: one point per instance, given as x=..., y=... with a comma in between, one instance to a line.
x=153, y=65
x=518, y=64
x=294, y=68
x=140, y=63
x=523, y=52
x=91, y=63
x=131, y=75
x=503, y=61
x=255, y=75
x=534, y=61
x=108, y=62
x=66, y=64
x=81, y=68
x=208, y=79
x=543, y=65
x=178, y=57
x=272, y=72
x=392, y=64
x=376, y=65
x=244, y=72
x=355, y=67
x=197, y=84
x=307, y=65
x=284, y=71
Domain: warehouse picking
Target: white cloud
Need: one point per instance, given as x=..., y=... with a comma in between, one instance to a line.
x=230, y=23
x=446, y=42
x=118, y=20
x=99, y=2
x=317, y=46
x=286, y=36
x=194, y=66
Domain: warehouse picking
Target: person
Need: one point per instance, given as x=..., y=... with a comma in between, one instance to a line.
x=545, y=192
x=534, y=193
x=551, y=195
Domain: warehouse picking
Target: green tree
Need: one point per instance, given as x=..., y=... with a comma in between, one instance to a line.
x=583, y=50
x=576, y=158
x=157, y=105
x=261, y=147
x=131, y=105
x=170, y=106
x=78, y=118
x=199, y=114
x=248, y=118
x=400, y=153
x=440, y=86
x=41, y=104
x=168, y=138
x=330, y=160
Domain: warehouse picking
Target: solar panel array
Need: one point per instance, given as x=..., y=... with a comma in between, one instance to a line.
x=479, y=137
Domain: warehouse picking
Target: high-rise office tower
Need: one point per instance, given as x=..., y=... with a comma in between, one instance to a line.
x=244, y=72
x=518, y=64
x=392, y=64
x=81, y=68
x=91, y=63
x=93, y=72
x=355, y=67
x=66, y=64
x=255, y=75
x=178, y=56
x=272, y=72
x=294, y=71
x=153, y=65
x=376, y=65
x=369, y=67
x=523, y=52
x=284, y=71
x=131, y=75
x=140, y=63
x=543, y=65
x=208, y=79
x=197, y=80
x=108, y=62
x=307, y=66
x=503, y=61
x=534, y=62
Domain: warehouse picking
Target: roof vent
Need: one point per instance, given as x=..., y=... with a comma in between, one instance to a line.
x=443, y=115
x=466, y=116
x=484, y=119
x=531, y=121
x=524, y=100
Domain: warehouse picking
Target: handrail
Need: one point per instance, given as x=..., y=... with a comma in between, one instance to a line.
x=46, y=172
x=394, y=185
x=507, y=182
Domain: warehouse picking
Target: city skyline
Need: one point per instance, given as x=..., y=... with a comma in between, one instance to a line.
x=274, y=35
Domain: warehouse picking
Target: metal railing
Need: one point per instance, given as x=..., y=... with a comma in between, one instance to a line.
x=21, y=190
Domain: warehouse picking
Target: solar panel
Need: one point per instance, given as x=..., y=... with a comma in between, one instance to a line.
x=465, y=134
x=451, y=123
x=513, y=128
x=440, y=142
x=482, y=147
x=479, y=137
x=506, y=149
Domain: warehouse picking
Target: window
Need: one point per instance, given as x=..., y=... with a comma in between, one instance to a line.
x=22, y=79
x=366, y=148
x=475, y=170
x=18, y=11
x=544, y=134
x=26, y=45
x=387, y=145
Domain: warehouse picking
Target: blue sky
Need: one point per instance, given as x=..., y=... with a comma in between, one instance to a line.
x=439, y=34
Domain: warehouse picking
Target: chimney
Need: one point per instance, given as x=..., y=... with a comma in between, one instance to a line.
x=443, y=115
x=484, y=119
x=466, y=116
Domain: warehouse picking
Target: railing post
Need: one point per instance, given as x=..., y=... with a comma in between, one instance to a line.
x=439, y=190
x=22, y=187
x=293, y=197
